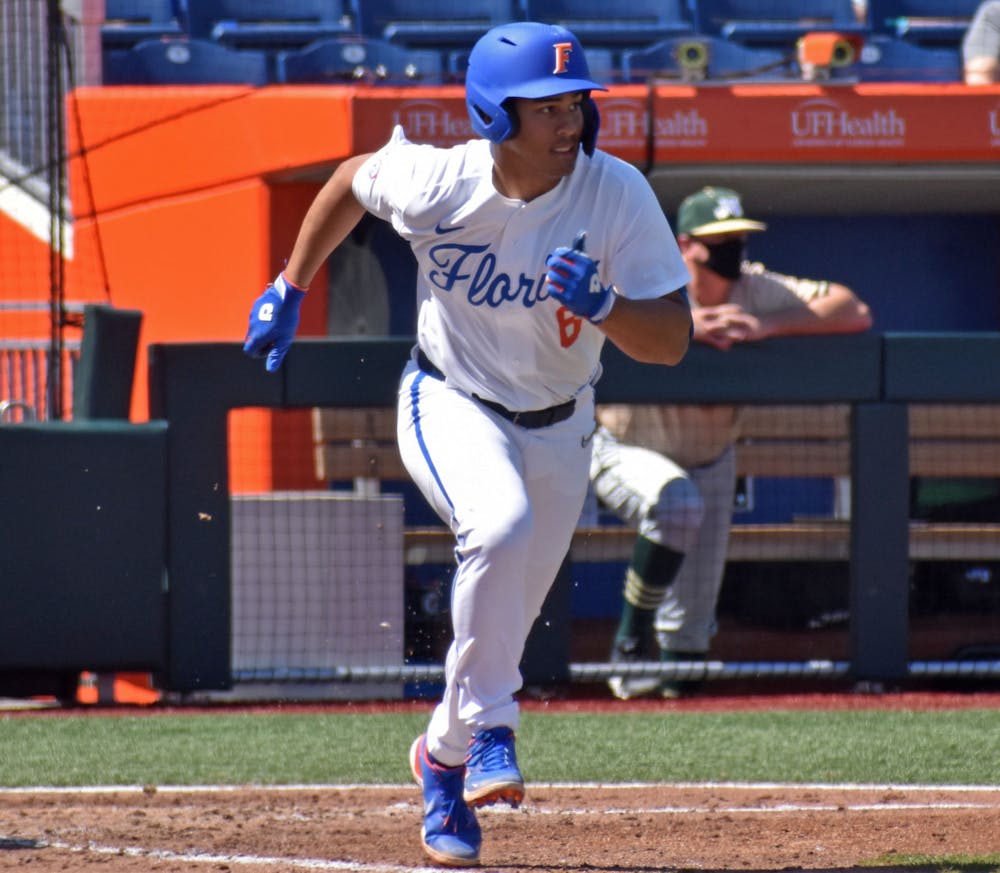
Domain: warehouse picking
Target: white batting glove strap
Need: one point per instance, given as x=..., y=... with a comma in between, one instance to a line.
x=606, y=307
x=281, y=285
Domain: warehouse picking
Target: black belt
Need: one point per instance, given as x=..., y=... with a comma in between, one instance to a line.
x=532, y=420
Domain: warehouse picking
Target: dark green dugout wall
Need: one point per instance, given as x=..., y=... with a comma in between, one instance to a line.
x=84, y=546
x=83, y=527
x=193, y=386
x=94, y=510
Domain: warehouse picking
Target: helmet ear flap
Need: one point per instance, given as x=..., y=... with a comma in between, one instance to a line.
x=489, y=120
x=591, y=125
x=513, y=123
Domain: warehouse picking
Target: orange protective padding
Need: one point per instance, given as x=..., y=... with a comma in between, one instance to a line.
x=271, y=450
x=809, y=123
x=749, y=123
x=143, y=144
x=194, y=201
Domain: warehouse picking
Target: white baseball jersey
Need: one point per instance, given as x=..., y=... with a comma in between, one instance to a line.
x=485, y=317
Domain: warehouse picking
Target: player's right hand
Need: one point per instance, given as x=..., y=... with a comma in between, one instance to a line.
x=274, y=318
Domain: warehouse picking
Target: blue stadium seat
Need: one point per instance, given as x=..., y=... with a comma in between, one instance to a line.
x=432, y=23
x=604, y=65
x=889, y=59
x=269, y=24
x=185, y=62
x=362, y=60
x=942, y=22
x=128, y=22
x=709, y=59
x=773, y=22
x=632, y=24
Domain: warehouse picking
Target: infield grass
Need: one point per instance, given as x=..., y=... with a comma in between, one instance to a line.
x=960, y=747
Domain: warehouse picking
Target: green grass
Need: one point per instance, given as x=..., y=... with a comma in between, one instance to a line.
x=954, y=747
x=939, y=864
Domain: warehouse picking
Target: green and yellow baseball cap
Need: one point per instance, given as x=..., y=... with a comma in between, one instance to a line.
x=714, y=210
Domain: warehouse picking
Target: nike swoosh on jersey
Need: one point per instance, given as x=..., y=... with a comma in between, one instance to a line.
x=441, y=231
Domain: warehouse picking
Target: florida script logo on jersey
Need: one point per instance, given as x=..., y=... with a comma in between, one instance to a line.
x=474, y=267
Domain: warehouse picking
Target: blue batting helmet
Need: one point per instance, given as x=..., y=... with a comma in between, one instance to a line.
x=525, y=59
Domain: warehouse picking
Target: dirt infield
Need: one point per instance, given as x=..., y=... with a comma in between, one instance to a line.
x=625, y=829
x=633, y=829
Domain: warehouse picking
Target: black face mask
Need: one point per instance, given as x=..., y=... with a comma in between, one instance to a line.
x=725, y=258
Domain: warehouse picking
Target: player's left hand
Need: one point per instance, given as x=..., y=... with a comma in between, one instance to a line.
x=572, y=279
x=274, y=318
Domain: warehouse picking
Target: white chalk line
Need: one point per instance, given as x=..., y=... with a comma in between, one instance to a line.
x=241, y=860
x=548, y=786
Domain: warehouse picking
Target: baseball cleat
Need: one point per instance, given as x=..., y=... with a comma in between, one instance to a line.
x=450, y=834
x=674, y=689
x=491, y=771
x=629, y=650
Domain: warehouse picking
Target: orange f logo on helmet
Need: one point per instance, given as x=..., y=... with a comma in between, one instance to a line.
x=563, y=51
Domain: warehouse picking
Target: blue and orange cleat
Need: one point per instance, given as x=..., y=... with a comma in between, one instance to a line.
x=491, y=772
x=450, y=833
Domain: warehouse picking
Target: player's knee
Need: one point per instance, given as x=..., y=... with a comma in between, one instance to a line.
x=509, y=533
x=678, y=514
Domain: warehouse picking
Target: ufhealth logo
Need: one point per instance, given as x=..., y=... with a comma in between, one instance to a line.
x=994, y=120
x=625, y=125
x=823, y=122
x=428, y=121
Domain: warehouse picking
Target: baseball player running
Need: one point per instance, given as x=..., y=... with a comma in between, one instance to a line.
x=670, y=470
x=532, y=247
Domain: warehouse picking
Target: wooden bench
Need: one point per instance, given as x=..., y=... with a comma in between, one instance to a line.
x=949, y=440
x=778, y=441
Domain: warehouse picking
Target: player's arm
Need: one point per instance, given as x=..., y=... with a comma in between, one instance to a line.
x=653, y=331
x=839, y=310
x=274, y=316
x=334, y=213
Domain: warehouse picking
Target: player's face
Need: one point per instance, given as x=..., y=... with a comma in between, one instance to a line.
x=547, y=141
x=714, y=261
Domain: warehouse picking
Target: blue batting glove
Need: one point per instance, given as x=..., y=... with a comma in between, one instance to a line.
x=273, y=320
x=572, y=279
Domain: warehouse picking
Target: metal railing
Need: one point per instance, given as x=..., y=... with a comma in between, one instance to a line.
x=25, y=365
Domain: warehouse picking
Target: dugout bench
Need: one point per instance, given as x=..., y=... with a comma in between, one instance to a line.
x=777, y=441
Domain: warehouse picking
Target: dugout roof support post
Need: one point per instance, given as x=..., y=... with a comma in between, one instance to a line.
x=879, y=577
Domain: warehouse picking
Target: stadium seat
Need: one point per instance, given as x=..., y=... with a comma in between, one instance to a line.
x=633, y=24
x=604, y=65
x=129, y=22
x=707, y=58
x=185, y=62
x=888, y=59
x=432, y=23
x=941, y=22
x=773, y=22
x=360, y=59
x=269, y=24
